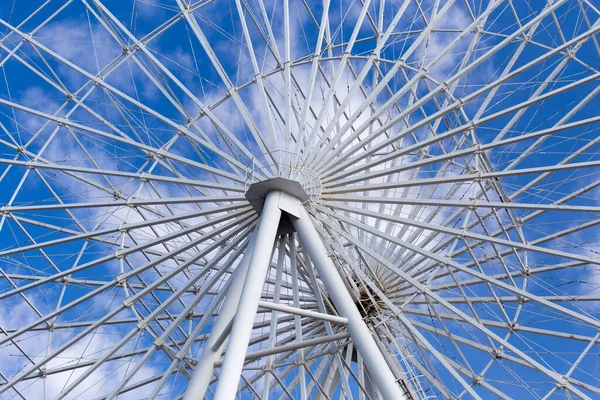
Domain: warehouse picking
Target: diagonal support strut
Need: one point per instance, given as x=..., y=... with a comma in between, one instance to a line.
x=240, y=307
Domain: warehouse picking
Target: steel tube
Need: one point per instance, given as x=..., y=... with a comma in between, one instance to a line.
x=382, y=375
x=214, y=346
x=292, y=347
x=243, y=322
x=302, y=312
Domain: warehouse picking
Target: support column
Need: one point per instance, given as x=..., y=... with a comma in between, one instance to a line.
x=371, y=389
x=361, y=335
x=212, y=351
x=243, y=321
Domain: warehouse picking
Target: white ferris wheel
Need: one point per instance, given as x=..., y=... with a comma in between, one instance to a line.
x=299, y=199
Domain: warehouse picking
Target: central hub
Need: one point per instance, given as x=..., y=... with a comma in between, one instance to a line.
x=257, y=193
x=287, y=172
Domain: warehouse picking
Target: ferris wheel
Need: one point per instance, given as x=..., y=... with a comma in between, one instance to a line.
x=299, y=199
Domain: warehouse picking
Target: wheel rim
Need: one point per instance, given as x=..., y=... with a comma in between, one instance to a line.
x=452, y=174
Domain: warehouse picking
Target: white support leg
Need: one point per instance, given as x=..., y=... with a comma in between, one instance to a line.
x=212, y=351
x=370, y=388
x=249, y=299
x=376, y=365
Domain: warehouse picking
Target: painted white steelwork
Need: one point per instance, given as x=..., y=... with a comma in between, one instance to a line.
x=276, y=202
x=299, y=199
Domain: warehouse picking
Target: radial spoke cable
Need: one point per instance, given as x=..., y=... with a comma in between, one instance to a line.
x=299, y=199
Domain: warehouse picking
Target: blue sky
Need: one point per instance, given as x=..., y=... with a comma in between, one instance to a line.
x=204, y=109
